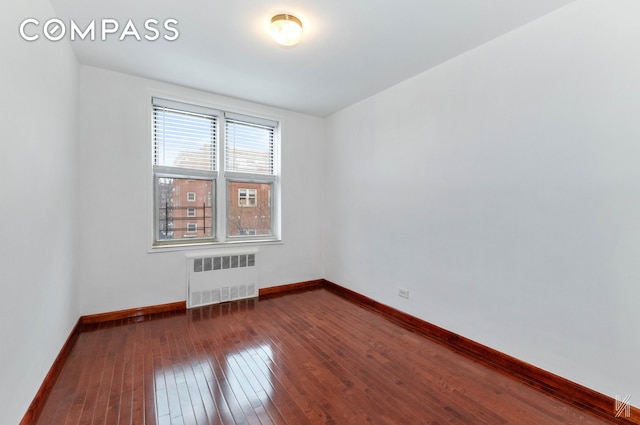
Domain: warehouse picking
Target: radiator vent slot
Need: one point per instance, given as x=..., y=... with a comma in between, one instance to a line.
x=223, y=262
x=218, y=278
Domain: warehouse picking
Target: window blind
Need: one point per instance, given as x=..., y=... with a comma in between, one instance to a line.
x=249, y=145
x=184, y=138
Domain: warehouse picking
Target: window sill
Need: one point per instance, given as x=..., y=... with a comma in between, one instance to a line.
x=213, y=245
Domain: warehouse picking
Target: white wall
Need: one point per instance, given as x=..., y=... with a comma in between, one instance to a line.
x=38, y=221
x=117, y=271
x=502, y=188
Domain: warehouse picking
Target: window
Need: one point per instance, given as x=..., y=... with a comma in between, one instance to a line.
x=208, y=167
x=250, y=171
x=184, y=170
x=246, y=197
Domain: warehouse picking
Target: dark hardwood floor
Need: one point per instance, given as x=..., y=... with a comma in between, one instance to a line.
x=303, y=358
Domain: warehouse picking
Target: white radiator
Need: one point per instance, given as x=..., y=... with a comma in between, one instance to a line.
x=221, y=276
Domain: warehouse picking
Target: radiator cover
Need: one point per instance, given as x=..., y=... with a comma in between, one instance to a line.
x=221, y=276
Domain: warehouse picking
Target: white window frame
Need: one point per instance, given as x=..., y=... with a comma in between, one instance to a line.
x=220, y=179
x=191, y=226
x=272, y=179
x=249, y=194
x=191, y=212
x=160, y=170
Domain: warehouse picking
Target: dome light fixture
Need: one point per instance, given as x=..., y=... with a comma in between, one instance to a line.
x=286, y=30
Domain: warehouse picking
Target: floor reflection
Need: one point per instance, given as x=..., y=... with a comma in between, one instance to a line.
x=217, y=388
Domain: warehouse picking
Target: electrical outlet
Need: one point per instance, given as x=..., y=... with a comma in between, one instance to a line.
x=404, y=293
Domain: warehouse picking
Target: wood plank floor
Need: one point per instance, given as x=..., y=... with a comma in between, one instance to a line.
x=303, y=358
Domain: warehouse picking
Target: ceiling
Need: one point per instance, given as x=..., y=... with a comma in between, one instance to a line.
x=350, y=50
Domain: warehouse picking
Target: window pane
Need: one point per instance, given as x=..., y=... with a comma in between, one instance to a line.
x=249, y=148
x=179, y=217
x=249, y=209
x=183, y=139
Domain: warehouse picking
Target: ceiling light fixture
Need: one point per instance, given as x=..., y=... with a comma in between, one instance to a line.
x=286, y=30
